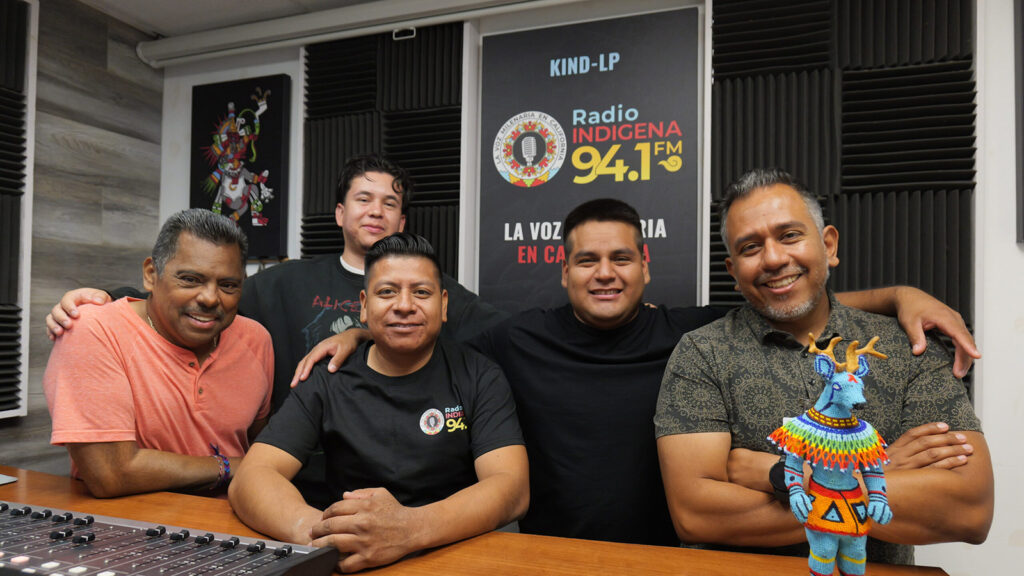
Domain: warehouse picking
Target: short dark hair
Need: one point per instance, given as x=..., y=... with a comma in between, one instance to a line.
x=763, y=178
x=400, y=244
x=360, y=165
x=203, y=225
x=602, y=210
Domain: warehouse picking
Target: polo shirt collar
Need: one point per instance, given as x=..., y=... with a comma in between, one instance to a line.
x=836, y=326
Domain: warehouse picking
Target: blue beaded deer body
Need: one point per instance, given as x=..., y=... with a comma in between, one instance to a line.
x=835, y=513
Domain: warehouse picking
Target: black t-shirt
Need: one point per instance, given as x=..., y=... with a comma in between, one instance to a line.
x=416, y=435
x=586, y=401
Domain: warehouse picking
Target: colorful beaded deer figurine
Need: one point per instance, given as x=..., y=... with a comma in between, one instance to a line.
x=834, y=510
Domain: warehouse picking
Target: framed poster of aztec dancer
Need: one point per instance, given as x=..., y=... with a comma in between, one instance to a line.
x=239, y=157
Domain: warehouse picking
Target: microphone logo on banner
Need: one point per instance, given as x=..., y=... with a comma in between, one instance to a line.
x=529, y=149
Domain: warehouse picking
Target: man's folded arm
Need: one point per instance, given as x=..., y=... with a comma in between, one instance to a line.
x=934, y=504
x=119, y=468
x=263, y=496
x=500, y=495
x=371, y=528
x=940, y=491
x=707, y=508
x=939, y=503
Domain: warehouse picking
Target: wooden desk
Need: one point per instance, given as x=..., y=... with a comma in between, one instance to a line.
x=493, y=554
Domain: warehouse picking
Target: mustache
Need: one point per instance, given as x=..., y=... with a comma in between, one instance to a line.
x=789, y=271
x=215, y=311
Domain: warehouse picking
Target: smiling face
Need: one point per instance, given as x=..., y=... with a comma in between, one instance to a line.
x=404, y=306
x=372, y=210
x=196, y=296
x=780, y=260
x=604, y=273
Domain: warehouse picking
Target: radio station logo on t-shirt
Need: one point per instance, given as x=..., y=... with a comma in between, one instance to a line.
x=454, y=419
x=529, y=149
x=432, y=421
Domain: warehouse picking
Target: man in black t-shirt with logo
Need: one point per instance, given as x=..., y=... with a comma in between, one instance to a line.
x=421, y=438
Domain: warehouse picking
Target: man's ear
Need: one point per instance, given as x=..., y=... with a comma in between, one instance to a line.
x=362, y=306
x=565, y=272
x=830, y=236
x=401, y=224
x=339, y=214
x=149, y=275
x=729, y=269
x=444, y=306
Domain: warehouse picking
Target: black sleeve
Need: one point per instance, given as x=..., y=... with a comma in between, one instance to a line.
x=295, y=427
x=491, y=341
x=118, y=293
x=693, y=317
x=467, y=314
x=249, y=303
x=493, y=420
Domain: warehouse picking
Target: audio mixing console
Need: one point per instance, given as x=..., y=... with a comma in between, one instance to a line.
x=37, y=540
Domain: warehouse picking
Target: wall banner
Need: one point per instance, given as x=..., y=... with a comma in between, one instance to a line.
x=571, y=113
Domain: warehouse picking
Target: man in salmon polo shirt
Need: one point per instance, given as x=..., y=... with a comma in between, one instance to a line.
x=165, y=393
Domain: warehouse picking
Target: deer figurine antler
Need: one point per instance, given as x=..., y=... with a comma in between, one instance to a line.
x=853, y=353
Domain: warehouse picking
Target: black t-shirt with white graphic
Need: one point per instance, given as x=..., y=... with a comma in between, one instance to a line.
x=416, y=435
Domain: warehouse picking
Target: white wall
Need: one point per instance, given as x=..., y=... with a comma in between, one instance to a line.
x=999, y=308
x=177, y=125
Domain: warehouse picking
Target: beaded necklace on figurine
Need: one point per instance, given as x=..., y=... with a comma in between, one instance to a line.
x=843, y=443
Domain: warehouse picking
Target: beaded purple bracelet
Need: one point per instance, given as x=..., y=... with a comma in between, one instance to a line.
x=224, y=476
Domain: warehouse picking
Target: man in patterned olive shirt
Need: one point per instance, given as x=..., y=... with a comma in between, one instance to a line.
x=730, y=383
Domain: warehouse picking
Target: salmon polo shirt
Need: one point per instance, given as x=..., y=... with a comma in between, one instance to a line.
x=112, y=378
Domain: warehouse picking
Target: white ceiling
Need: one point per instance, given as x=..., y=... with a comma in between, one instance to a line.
x=176, y=17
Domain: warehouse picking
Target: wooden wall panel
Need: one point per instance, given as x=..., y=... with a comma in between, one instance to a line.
x=97, y=185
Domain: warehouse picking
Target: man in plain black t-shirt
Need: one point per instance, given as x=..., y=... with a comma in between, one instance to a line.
x=421, y=438
x=585, y=377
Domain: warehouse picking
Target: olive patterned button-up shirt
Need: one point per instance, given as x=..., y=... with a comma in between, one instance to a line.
x=739, y=375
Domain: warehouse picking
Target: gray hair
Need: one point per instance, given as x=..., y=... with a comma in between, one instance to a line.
x=201, y=224
x=763, y=178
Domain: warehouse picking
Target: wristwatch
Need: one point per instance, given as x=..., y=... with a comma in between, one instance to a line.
x=777, y=478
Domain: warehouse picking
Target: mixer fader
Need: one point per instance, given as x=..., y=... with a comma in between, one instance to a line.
x=39, y=540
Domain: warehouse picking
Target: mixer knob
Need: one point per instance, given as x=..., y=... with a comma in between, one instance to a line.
x=283, y=551
x=230, y=542
x=42, y=514
x=84, y=538
x=179, y=535
x=204, y=539
x=84, y=521
x=62, y=533
x=23, y=511
x=257, y=546
x=65, y=517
